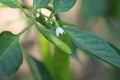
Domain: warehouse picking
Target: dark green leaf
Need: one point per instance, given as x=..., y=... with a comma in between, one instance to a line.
x=10, y=3
x=115, y=48
x=113, y=13
x=94, y=45
x=74, y=53
x=10, y=54
x=93, y=8
x=113, y=8
x=66, y=23
x=63, y=5
x=38, y=69
x=40, y=3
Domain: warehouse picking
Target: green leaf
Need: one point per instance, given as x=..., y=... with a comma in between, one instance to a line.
x=114, y=47
x=113, y=8
x=10, y=3
x=94, y=45
x=38, y=69
x=74, y=53
x=113, y=13
x=66, y=23
x=40, y=3
x=93, y=8
x=63, y=5
x=10, y=54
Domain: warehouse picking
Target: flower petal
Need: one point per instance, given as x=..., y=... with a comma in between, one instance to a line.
x=59, y=31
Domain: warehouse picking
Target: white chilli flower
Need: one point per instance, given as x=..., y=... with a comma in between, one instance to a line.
x=59, y=31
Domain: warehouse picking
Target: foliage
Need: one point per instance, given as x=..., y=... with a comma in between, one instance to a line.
x=10, y=53
x=56, y=67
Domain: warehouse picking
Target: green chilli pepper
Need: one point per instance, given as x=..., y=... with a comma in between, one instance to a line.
x=51, y=37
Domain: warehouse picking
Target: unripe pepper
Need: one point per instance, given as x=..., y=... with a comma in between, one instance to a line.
x=51, y=37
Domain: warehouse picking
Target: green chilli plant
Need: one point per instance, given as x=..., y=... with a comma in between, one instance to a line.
x=55, y=64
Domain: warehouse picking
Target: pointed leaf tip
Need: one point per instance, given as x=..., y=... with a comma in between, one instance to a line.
x=94, y=45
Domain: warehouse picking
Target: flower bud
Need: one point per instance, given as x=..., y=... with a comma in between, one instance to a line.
x=59, y=31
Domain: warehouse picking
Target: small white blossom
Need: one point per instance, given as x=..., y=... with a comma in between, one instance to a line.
x=59, y=31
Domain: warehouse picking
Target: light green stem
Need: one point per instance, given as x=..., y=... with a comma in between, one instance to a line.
x=25, y=29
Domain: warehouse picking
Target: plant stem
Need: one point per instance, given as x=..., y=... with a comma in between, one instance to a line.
x=25, y=29
x=55, y=13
